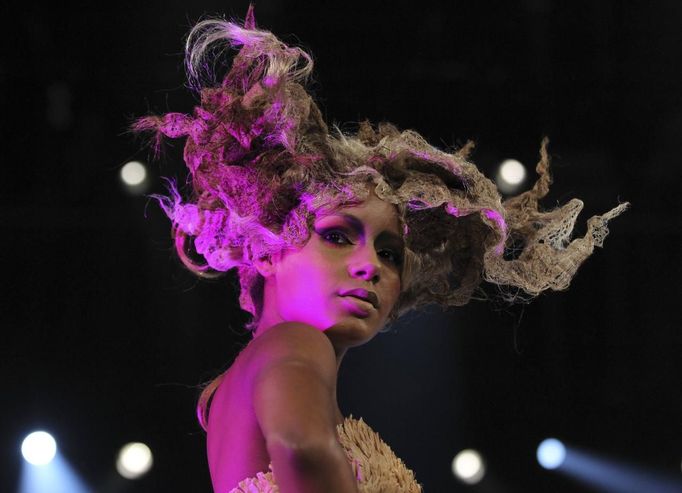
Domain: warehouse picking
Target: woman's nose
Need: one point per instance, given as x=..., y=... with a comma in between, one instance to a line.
x=365, y=266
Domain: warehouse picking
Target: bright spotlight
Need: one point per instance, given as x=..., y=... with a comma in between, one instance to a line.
x=604, y=473
x=134, y=460
x=56, y=477
x=39, y=448
x=512, y=171
x=133, y=173
x=551, y=453
x=468, y=466
x=510, y=175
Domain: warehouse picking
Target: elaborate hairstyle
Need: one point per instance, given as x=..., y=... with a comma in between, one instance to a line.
x=263, y=164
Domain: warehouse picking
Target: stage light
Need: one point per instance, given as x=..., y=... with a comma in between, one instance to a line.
x=510, y=175
x=56, y=477
x=468, y=466
x=609, y=474
x=551, y=453
x=134, y=460
x=133, y=173
x=39, y=448
x=512, y=171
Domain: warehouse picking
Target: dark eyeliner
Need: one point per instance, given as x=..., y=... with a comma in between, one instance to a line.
x=323, y=232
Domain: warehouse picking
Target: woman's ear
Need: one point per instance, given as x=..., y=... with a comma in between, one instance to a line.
x=265, y=265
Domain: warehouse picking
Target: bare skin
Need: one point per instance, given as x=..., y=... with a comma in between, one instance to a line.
x=277, y=403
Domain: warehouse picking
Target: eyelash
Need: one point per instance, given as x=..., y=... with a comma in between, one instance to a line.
x=393, y=257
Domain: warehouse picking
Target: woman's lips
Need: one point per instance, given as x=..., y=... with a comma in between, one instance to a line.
x=364, y=295
x=358, y=306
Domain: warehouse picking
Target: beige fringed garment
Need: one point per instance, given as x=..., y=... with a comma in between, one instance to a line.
x=376, y=467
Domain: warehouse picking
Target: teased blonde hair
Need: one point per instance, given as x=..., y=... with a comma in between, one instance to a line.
x=263, y=163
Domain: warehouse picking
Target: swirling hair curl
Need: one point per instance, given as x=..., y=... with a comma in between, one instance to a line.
x=263, y=164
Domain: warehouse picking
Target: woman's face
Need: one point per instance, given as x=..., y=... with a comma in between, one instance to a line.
x=346, y=278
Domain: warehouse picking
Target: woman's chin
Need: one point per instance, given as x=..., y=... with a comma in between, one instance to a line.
x=353, y=331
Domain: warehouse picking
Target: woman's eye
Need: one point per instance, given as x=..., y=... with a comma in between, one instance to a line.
x=391, y=256
x=335, y=237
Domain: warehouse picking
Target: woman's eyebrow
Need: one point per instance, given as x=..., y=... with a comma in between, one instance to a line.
x=358, y=226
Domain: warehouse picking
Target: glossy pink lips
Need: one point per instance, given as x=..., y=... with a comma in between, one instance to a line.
x=358, y=307
x=364, y=295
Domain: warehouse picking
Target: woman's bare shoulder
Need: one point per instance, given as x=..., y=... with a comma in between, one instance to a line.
x=292, y=342
x=294, y=385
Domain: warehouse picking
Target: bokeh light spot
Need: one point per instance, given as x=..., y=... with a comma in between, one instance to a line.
x=134, y=460
x=468, y=466
x=551, y=453
x=512, y=171
x=39, y=448
x=133, y=173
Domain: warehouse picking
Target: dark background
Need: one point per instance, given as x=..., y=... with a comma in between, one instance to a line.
x=106, y=338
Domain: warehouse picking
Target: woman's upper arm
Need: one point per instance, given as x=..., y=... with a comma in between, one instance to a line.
x=293, y=387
